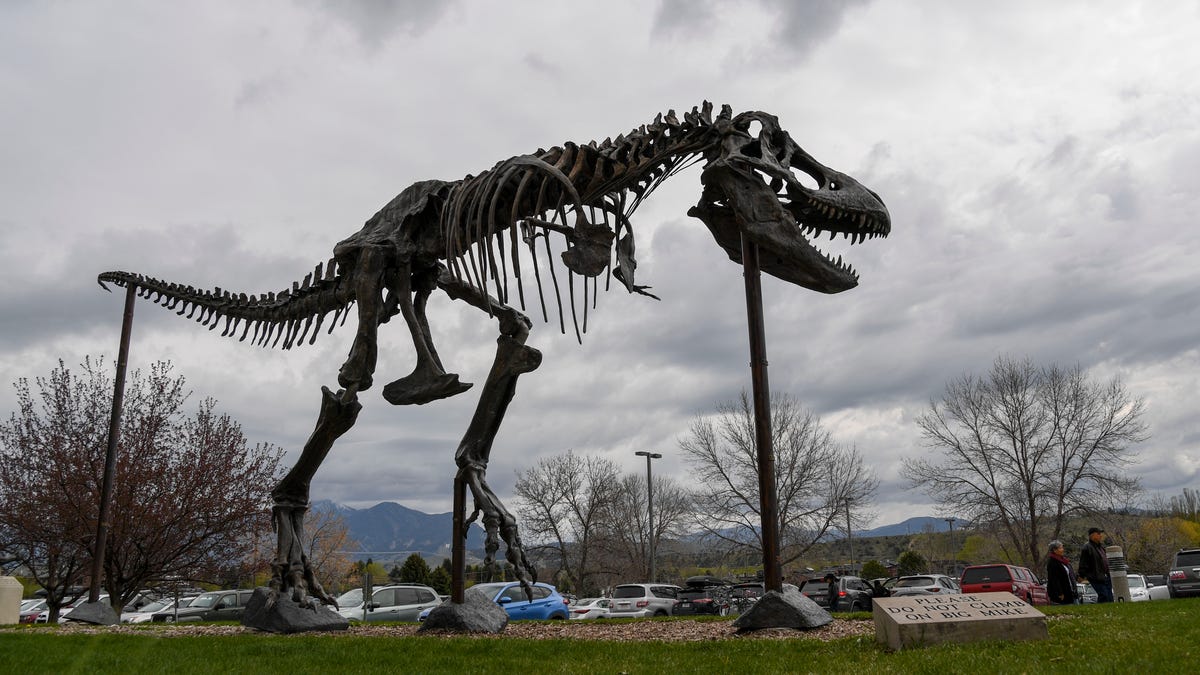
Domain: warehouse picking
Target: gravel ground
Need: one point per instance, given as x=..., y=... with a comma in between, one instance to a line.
x=676, y=630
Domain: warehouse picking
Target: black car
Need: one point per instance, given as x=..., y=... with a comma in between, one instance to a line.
x=704, y=595
x=1184, y=578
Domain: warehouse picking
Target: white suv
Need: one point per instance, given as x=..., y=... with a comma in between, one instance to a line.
x=642, y=600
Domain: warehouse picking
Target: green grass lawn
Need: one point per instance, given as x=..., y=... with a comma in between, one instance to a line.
x=1146, y=637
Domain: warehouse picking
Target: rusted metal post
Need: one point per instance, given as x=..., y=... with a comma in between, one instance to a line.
x=768, y=507
x=458, y=552
x=110, y=454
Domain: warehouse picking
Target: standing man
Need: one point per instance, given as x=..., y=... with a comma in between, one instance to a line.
x=1093, y=565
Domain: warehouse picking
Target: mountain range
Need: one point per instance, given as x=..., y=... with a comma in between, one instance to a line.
x=389, y=532
x=915, y=525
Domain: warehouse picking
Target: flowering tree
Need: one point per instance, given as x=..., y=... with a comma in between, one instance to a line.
x=189, y=494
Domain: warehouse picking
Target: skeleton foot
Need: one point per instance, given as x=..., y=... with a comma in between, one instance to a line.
x=498, y=524
x=292, y=576
x=423, y=386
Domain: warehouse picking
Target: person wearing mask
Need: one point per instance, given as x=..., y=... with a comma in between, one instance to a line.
x=1060, y=577
x=1093, y=565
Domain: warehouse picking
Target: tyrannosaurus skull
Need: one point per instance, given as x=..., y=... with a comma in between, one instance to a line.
x=751, y=188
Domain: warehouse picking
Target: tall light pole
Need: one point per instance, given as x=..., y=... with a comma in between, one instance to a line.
x=650, y=503
x=950, y=522
x=849, y=533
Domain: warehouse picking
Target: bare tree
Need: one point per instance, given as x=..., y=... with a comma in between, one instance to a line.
x=562, y=502
x=327, y=537
x=815, y=477
x=1025, y=448
x=1186, y=505
x=628, y=539
x=189, y=495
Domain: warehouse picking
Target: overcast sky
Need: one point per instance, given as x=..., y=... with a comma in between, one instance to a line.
x=1039, y=161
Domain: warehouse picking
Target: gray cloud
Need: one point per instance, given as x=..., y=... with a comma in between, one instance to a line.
x=793, y=28
x=1037, y=211
x=376, y=22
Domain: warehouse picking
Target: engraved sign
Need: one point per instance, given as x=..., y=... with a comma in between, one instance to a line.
x=924, y=620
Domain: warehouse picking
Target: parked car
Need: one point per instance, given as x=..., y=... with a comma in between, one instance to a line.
x=213, y=606
x=1087, y=594
x=140, y=600
x=743, y=596
x=30, y=609
x=1157, y=583
x=643, y=600
x=1184, y=578
x=1004, y=578
x=887, y=582
x=925, y=584
x=1142, y=590
x=708, y=599
x=145, y=614
x=853, y=594
x=64, y=613
x=590, y=608
x=400, y=602
x=547, y=602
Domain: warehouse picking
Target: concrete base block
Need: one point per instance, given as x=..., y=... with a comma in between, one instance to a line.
x=917, y=621
x=10, y=600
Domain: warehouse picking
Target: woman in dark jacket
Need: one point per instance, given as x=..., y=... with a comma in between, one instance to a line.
x=1060, y=577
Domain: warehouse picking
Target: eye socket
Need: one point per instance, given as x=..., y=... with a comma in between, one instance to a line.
x=833, y=185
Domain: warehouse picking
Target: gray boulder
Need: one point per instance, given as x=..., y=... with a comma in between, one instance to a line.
x=789, y=609
x=288, y=616
x=100, y=613
x=476, y=614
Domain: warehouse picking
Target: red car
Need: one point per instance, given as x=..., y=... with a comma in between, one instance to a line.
x=1005, y=578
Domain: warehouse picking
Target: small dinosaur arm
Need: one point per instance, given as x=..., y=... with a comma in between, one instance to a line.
x=468, y=238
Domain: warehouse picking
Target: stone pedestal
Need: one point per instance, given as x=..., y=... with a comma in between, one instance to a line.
x=100, y=613
x=789, y=609
x=10, y=600
x=916, y=621
x=476, y=614
x=288, y=616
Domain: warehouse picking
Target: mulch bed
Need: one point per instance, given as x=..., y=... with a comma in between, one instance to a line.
x=676, y=630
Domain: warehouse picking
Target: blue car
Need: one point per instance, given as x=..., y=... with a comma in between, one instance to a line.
x=547, y=603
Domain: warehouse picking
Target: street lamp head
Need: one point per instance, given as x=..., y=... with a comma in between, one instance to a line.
x=651, y=455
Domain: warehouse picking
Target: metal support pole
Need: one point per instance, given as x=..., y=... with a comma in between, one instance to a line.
x=849, y=533
x=650, y=506
x=953, y=552
x=772, y=573
x=458, y=553
x=110, y=455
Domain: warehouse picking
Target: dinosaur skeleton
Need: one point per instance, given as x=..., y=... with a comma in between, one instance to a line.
x=468, y=238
